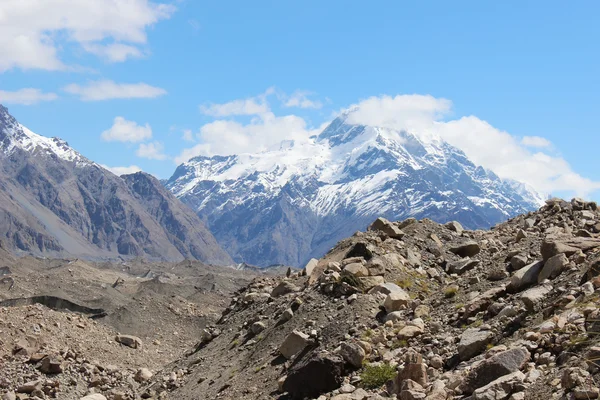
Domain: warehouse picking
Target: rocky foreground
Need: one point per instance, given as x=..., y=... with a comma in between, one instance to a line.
x=415, y=310
x=408, y=310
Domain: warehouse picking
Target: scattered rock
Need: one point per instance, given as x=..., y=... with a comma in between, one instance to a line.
x=293, y=344
x=130, y=341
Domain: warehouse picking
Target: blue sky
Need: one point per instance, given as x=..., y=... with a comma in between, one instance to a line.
x=204, y=77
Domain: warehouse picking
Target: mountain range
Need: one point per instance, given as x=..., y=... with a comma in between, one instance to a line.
x=294, y=202
x=55, y=202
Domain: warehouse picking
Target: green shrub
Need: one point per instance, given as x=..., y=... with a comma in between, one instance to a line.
x=450, y=292
x=375, y=376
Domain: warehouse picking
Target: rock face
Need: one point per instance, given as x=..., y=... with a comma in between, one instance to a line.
x=55, y=202
x=313, y=376
x=287, y=205
x=501, y=364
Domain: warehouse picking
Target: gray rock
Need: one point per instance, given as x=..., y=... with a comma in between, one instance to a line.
x=353, y=353
x=518, y=262
x=466, y=249
x=293, y=344
x=396, y=301
x=386, y=288
x=473, y=341
x=551, y=248
x=489, y=370
x=314, y=375
x=525, y=277
x=130, y=341
x=534, y=296
x=553, y=267
x=258, y=327
x=461, y=266
x=285, y=287
x=310, y=266
x=386, y=227
x=501, y=388
x=455, y=226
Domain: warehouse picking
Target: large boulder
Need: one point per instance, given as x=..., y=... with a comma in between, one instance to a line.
x=285, y=287
x=489, y=370
x=501, y=388
x=130, y=341
x=356, y=269
x=353, y=353
x=525, y=277
x=310, y=266
x=320, y=373
x=553, y=267
x=469, y=248
x=293, y=344
x=396, y=301
x=534, y=296
x=473, y=341
x=551, y=248
x=387, y=228
x=461, y=266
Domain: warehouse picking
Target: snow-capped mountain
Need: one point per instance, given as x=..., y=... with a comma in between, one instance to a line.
x=294, y=202
x=54, y=201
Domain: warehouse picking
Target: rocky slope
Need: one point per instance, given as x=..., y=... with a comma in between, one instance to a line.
x=415, y=310
x=295, y=202
x=55, y=202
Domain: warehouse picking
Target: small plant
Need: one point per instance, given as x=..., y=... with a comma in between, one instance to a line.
x=374, y=376
x=351, y=280
x=368, y=334
x=235, y=343
x=399, y=343
x=450, y=292
x=404, y=283
x=489, y=346
x=477, y=323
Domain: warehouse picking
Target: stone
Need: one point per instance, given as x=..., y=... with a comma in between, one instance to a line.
x=551, y=248
x=353, y=353
x=287, y=315
x=411, y=390
x=143, y=375
x=376, y=266
x=422, y=311
x=498, y=365
x=473, y=341
x=553, y=267
x=130, y=341
x=461, y=266
x=95, y=396
x=386, y=288
x=310, y=266
x=367, y=283
x=455, y=226
x=9, y=396
x=355, y=269
x=585, y=393
x=414, y=369
x=521, y=234
x=258, y=327
x=30, y=386
x=573, y=377
x=396, y=301
x=314, y=375
x=525, y=277
x=293, y=344
x=501, y=388
x=413, y=257
x=285, y=287
x=361, y=249
x=534, y=296
x=395, y=316
x=588, y=288
x=518, y=262
x=51, y=365
x=409, y=332
x=386, y=227
x=466, y=249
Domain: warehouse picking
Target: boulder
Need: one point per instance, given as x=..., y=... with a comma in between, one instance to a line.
x=355, y=269
x=525, y=277
x=469, y=248
x=553, y=267
x=518, y=262
x=352, y=353
x=94, y=396
x=396, y=301
x=310, y=266
x=414, y=369
x=317, y=374
x=461, y=266
x=498, y=365
x=387, y=228
x=293, y=344
x=534, y=296
x=550, y=248
x=455, y=226
x=501, y=388
x=386, y=288
x=130, y=341
x=143, y=375
x=473, y=341
x=367, y=283
x=258, y=327
x=285, y=287
x=51, y=365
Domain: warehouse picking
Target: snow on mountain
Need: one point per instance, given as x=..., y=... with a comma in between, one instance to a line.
x=289, y=204
x=14, y=135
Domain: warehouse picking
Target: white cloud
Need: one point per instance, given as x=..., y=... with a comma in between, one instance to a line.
x=107, y=90
x=127, y=131
x=33, y=32
x=252, y=106
x=300, y=99
x=116, y=52
x=484, y=144
x=152, y=151
x=536, y=141
x=132, y=169
x=26, y=96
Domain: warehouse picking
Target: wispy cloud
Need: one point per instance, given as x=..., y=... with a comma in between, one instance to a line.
x=152, y=151
x=27, y=96
x=132, y=169
x=108, y=90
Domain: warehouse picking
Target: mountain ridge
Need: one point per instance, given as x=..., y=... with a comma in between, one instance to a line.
x=57, y=202
x=308, y=195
